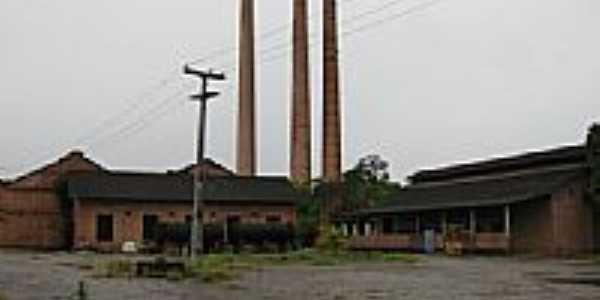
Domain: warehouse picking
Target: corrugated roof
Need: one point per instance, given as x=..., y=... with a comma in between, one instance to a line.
x=483, y=192
x=178, y=187
x=556, y=156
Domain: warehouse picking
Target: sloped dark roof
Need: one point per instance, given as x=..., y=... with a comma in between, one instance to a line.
x=485, y=192
x=178, y=187
x=72, y=154
x=209, y=163
x=556, y=156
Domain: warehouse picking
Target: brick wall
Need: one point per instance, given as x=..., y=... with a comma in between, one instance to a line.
x=30, y=208
x=561, y=224
x=30, y=218
x=573, y=221
x=531, y=226
x=128, y=218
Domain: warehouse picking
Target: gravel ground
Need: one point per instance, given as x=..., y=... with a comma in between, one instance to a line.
x=35, y=276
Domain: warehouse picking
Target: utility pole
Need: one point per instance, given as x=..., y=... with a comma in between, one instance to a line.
x=197, y=232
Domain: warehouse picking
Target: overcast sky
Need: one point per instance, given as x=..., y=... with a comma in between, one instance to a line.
x=454, y=81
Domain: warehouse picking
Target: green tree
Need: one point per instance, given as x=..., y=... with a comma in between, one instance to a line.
x=367, y=184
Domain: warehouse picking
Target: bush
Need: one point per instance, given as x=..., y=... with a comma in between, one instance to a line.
x=330, y=241
x=216, y=268
x=253, y=235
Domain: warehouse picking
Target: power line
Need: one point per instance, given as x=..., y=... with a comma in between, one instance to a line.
x=267, y=35
x=154, y=113
x=376, y=23
x=160, y=110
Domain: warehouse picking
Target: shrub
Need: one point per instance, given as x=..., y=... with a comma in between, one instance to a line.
x=255, y=235
x=215, y=268
x=330, y=241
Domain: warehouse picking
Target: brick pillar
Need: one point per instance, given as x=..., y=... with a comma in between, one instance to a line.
x=246, y=154
x=331, y=102
x=300, y=161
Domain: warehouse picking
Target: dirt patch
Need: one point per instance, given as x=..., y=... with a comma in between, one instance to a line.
x=55, y=276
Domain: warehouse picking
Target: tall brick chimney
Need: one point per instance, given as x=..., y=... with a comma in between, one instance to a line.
x=331, y=97
x=246, y=152
x=300, y=161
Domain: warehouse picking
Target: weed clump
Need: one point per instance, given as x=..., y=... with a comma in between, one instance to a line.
x=119, y=268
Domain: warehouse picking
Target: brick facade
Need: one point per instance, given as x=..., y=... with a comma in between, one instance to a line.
x=561, y=224
x=31, y=210
x=128, y=218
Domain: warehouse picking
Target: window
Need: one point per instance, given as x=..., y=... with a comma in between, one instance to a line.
x=459, y=219
x=233, y=220
x=388, y=225
x=104, y=228
x=274, y=219
x=431, y=221
x=150, y=223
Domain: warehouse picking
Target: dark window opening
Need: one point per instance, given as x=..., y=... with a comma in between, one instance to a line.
x=459, y=219
x=233, y=220
x=274, y=219
x=490, y=220
x=388, y=225
x=150, y=224
x=104, y=228
x=406, y=224
x=431, y=221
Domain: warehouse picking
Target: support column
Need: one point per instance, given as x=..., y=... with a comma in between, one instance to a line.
x=355, y=229
x=246, y=152
x=300, y=160
x=507, y=229
x=472, y=228
x=444, y=223
x=345, y=229
x=367, y=228
x=507, y=220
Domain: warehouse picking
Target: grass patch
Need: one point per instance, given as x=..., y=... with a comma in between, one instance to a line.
x=400, y=257
x=216, y=268
x=119, y=268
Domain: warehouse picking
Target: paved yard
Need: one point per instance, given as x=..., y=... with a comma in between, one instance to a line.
x=54, y=276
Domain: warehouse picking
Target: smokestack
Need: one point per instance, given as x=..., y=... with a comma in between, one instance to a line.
x=331, y=98
x=246, y=152
x=300, y=161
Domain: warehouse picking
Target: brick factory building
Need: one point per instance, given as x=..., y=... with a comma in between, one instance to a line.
x=531, y=203
x=76, y=203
